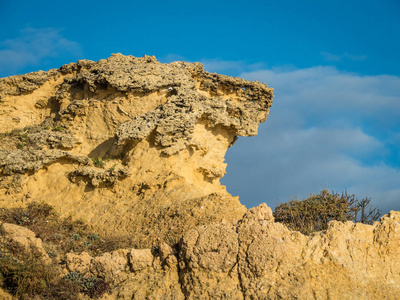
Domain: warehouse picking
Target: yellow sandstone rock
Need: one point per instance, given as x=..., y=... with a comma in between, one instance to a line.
x=130, y=145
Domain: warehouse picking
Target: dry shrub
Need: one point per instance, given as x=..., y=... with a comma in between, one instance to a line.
x=91, y=286
x=62, y=235
x=61, y=290
x=314, y=213
x=26, y=276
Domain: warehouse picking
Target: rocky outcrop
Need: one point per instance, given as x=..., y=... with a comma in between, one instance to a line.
x=257, y=258
x=128, y=144
x=136, y=148
x=261, y=259
x=22, y=240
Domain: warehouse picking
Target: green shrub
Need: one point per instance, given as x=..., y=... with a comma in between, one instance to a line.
x=74, y=277
x=23, y=137
x=75, y=236
x=4, y=135
x=93, y=237
x=98, y=162
x=91, y=286
x=58, y=128
x=314, y=213
x=112, y=168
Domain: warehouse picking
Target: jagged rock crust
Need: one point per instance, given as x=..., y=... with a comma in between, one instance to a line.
x=261, y=259
x=129, y=144
x=254, y=258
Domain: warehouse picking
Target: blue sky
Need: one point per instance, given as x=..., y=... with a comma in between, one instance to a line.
x=334, y=66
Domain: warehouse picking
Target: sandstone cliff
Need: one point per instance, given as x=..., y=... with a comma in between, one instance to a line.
x=136, y=148
x=128, y=144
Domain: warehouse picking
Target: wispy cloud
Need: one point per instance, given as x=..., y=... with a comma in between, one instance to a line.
x=327, y=129
x=346, y=56
x=171, y=57
x=229, y=67
x=217, y=65
x=32, y=47
x=331, y=57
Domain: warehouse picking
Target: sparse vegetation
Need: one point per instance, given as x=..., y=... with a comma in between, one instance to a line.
x=22, y=140
x=174, y=243
x=58, y=128
x=112, y=168
x=98, y=162
x=91, y=286
x=93, y=237
x=62, y=235
x=75, y=236
x=26, y=277
x=314, y=213
x=4, y=135
x=23, y=137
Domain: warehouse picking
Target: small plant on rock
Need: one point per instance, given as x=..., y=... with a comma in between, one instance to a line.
x=112, y=168
x=23, y=137
x=58, y=128
x=76, y=236
x=4, y=135
x=74, y=277
x=91, y=286
x=93, y=237
x=98, y=162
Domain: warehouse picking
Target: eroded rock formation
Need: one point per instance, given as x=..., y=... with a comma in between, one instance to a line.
x=136, y=147
x=254, y=258
x=128, y=144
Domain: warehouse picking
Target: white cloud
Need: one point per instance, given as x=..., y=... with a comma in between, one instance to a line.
x=326, y=93
x=229, y=67
x=32, y=47
x=346, y=56
x=215, y=65
x=171, y=57
x=355, y=57
x=326, y=129
x=331, y=57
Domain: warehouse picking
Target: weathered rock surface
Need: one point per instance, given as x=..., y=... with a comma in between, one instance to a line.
x=257, y=258
x=4, y=295
x=136, y=148
x=22, y=240
x=261, y=259
x=131, y=145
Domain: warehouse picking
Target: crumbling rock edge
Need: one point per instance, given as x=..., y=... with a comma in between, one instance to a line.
x=254, y=258
x=118, y=141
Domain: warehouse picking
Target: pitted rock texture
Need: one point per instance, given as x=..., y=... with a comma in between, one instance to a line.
x=269, y=261
x=22, y=239
x=256, y=258
x=131, y=145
